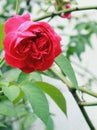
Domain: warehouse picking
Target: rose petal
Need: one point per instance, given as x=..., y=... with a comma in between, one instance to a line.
x=9, y=40
x=13, y=61
x=46, y=64
x=55, y=38
x=27, y=69
x=13, y=23
x=37, y=65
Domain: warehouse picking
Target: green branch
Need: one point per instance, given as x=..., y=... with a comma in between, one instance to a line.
x=70, y=85
x=77, y=8
x=88, y=104
x=88, y=91
x=62, y=78
x=83, y=111
x=73, y=92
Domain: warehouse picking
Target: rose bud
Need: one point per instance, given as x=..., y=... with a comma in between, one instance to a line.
x=67, y=15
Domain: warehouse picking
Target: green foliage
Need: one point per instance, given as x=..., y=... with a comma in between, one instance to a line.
x=14, y=93
x=10, y=75
x=60, y=27
x=90, y=27
x=73, y=1
x=1, y=36
x=78, y=42
x=66, y=68
x=77, y=45
x=29, y=119
x=38, y=100
x=55, y=94
x=7, y=109
x=34, y=76
x=49, y=73
x=8, y=8
x=50, y=124
x=9, y=113
x=2, y=125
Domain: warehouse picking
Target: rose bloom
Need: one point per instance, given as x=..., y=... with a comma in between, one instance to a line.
x=29, y=45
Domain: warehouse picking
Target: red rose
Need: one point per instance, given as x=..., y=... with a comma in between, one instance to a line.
x=30, y=45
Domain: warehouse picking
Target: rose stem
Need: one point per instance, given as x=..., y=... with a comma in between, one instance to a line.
x=77, y=8
x=17, y=6
x=73, y=92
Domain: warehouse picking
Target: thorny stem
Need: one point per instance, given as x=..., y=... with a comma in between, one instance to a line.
x=73, y=9
x=89, y=122
x=73, y=92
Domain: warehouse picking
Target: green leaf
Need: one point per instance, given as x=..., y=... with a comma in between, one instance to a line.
x=21, y=109
x=13, y=93
x=91, y=27
x=70, y=51
x=38, y=100
x=7, y=109
x=2, y=125
x=34, y=76
x=60, y=27
x=19, y=97
x=80, y=47
x=86, y=40
x=1, y=35
x=11, y=75
x=29, y=120
x=77, y=44
x=49, y=73
x=80, y=26
x=54, y=93
x=66, y=68
x=50, y=124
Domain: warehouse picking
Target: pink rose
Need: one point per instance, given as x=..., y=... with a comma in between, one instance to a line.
x=30, y=45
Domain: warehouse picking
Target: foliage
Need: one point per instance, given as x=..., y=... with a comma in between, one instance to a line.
x=78, y=43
